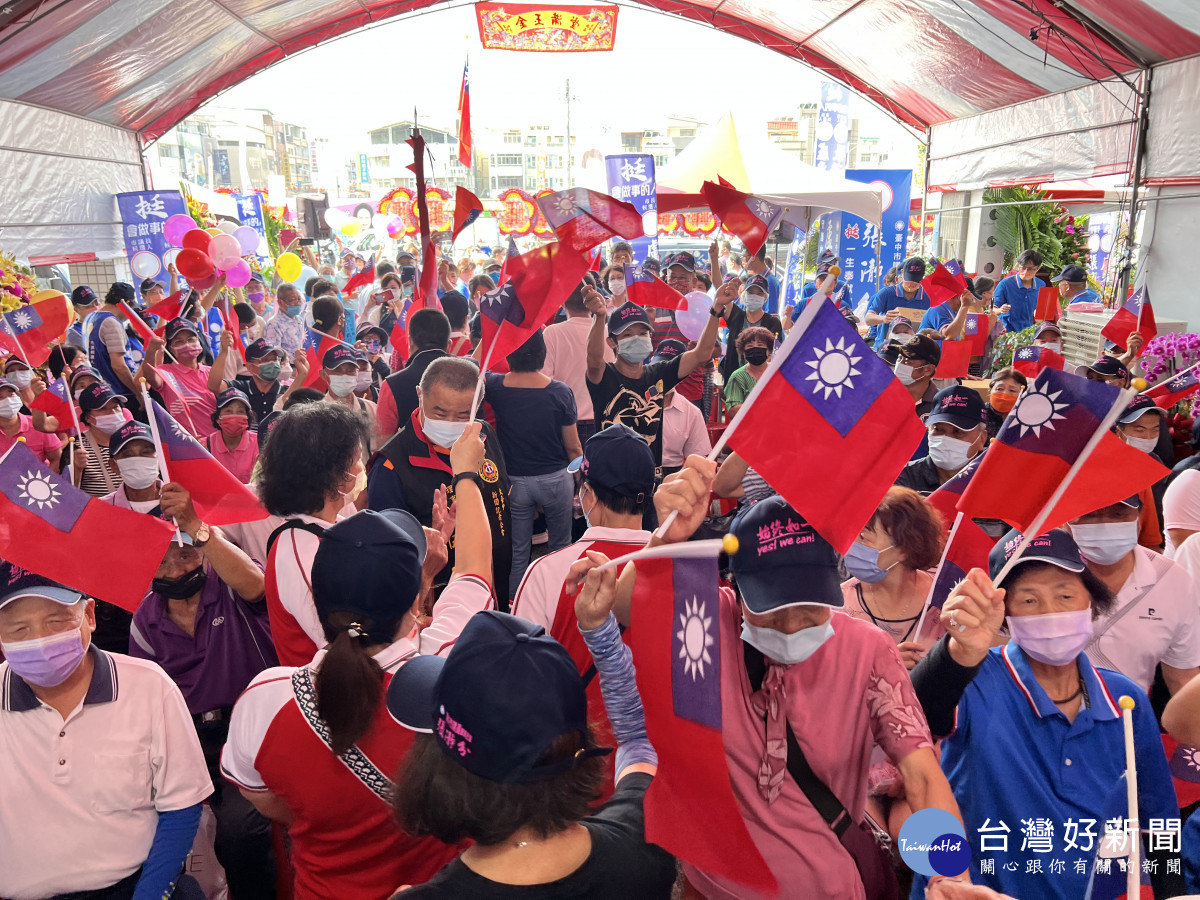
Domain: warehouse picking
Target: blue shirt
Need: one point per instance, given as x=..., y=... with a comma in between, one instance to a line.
x=888, y=299
x=1013, y=756
x=1087, y=296
x=937, y=317
x=1023, y=301
x=840, y=295
x=773, y=289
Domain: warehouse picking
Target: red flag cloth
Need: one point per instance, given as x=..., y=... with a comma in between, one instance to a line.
x=967, y=548
x=1136, y=315
x=751, y=218
x=645, y=288
x=1037, y=444
x=56, y=400
x=943, y=283
x=1171, y=392
x=538, y=283
x=398, y=339
x=511, y=254
x=945, y=499
x=582, y=219
x=32, y=326
x=828, y=413
x=316, y=345
x=144, y=332
x=594, y=260
x=1048, y=307
x=675, y=638
x=53, y=529
x=1029, y=361
x=172, y=395
x=219, y=498
x=358, y=280
x=467, y=208
x=975, y=331
x=168, y=308
x=464, y=120
x=225, y=311
x=955, y=361
x=426, y=293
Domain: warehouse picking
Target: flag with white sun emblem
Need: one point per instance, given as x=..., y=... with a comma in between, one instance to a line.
x=55, y=530
x=582, y=218
x=1040, y=440
x=675, y=637
x=828, y=425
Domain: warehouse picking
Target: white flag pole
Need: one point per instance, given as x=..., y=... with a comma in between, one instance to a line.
x=1133, y=871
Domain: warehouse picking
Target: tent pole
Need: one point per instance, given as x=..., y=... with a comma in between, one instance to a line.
x=924, y=193
x=1139, y=152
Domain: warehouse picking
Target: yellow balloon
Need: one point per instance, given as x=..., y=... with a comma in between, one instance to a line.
x=351, y=228
x=214, y=231
x=288, y=266
x=1139, y=384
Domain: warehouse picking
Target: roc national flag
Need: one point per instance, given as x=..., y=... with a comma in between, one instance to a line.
x=1171, y=392
x=944, y=283
x=751, y=218
x=828, y=413
x=1030, y=361
x=37, y=324
x=1136, y=315
x=55, y=530
x=316, y=344
x=464, y=118
x=583, y=219
x=645, y=288
x=675, y=636
x=467, y=208
x=975, y=332
x=56, y=401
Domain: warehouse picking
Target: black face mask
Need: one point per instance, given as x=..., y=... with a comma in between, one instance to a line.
x=180, y=588
x=756, y=356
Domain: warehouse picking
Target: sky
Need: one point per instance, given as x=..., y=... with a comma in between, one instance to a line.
x=661, y=65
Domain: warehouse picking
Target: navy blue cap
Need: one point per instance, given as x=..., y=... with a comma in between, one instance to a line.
x=79, y=372
x=1108, y=366
x=368, y=566
x=1071, y=274
x=684, y=259
x=498, y=701
x=178, y=326
x=96, y=395
x=149, y=284
x=618, y=459
x=628, y=313
x=261, y=349
x=337, y=355
x=958, y=406
x=1056, y=547
x=1047, y=326
x=232, y=395
x=913, y=269
x=902, y=320
x=83, y=295
x=826, y=261
x=132, y=430
x=759, y=282
x=16, y=583
x=651, y=264
x=782, y=561
x=1140, y=405
x=122, y=290
x=668, y=350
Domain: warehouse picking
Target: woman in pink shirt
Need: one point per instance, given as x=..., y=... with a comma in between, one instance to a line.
x=182, y=382
x=234, y=445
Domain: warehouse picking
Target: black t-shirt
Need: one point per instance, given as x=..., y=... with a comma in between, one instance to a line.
x=529, y=422
x=621, y=866
x=636, y=402
x=262, y=403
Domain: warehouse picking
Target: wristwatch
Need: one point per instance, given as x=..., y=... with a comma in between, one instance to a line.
x=467, y=476
x=713, y=311
x=201, y=536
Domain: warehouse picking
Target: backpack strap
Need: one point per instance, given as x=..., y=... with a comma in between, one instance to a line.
x=310, y=527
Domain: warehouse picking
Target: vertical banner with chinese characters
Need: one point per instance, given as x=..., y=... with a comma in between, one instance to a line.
x=793, y=276
x=250, y=212
x=1101, y=230
x=831, y=153
x=631, y=178
x=364, y=170
x=142, y=216
x=858, y=237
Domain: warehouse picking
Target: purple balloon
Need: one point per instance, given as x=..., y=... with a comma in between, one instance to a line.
x=238, y=275
x=247, y=237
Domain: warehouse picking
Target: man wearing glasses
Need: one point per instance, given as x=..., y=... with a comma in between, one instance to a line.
x=1016, y=296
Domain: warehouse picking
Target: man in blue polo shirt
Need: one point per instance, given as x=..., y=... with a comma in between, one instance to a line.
x=756, y=264
x=949, y=318
x=908, y=293
x=1016, y=296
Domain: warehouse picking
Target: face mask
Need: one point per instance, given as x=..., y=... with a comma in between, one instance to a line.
x=1146, y=445
x=1001, y=402
x=235, y=425
x=255, y=298
x=19, y=378
x=138, y=472
x=362, y=380
x=374, y=347
x=616, y=285
x=787, y=648
x=1053, y=638
x=341, y=385
x=293, y=311
x=904, y=372
x=441, y=432
x=109, y=422
x=1106, y=542
x=863, y=562
x=1056, y=347
x=187, y=352
x=77, y=393
x=9, y=407
x=360, y=485
x=48, y=661
x=183, y=587
x=269, y=371
x=635, y=349
x=753, y=302
x=949, y=453
x=756, y=356
x=901, y=339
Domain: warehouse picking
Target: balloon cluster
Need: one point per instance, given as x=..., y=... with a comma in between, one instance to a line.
x=1182, y=350
x=208, y=253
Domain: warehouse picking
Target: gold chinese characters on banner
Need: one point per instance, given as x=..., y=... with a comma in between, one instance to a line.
x=538, y=28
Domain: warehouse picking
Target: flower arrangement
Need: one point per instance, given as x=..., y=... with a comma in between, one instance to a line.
x=1008, y=344
x=17, y=284
x=1168, y=353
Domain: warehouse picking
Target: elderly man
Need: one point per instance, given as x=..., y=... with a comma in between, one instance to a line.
x=101, y=774
x=957, y=434
x=286, y=329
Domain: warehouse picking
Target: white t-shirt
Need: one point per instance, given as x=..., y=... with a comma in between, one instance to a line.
x=1181, y=506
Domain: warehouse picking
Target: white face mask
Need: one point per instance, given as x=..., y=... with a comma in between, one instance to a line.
x=1106, y=542
x=341, y=385
x=442, y=432
x=138, y=472
x=1053, y=638
x=788, y=649
x=1146, y=445
x=19, y=378
x=905, y=373
x=9, y=406
x=360, y=485
x=949, y=453
x=1056, y=347
x=634, y=349
x=753, y=302
x=616, y=286
x=109, y=422
x=903, y=338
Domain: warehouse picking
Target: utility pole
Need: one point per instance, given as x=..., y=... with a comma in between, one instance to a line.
x=570, y=181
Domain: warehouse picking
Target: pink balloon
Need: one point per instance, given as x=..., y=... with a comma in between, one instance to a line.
x=239, y=275
x=247, y=238
x=176, y=227
x=225, y=250
x=203, y=284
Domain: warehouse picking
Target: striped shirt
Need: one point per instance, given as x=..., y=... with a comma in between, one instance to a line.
x=98, y=479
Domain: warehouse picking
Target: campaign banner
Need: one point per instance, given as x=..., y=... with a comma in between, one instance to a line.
x=833, y=128
x=546, y=28
x=858, y=238
x=364, y=170
x=793, y=273
x=631, y=178
x=142, y=216
x=250, y=212
x=1101, y=233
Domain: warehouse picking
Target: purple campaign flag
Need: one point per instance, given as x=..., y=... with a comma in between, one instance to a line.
x=695, y=644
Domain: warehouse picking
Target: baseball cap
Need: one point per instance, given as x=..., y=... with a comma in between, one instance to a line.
x=759, y=283
x=1056, y=547
x=369, y=566
x=958, y=406
x=902, y=321
x=684, y=259
x=405, y=253
x=149, y=284
x=1071, y=273
x=337, y=355
x=122, y=290
x=668, y=350
x=491, y=263
x=177, y=327
x=372, y=331
x=1047, y=326
x=79, y=372
x=628, y=313
x=780, y=557
x=1108, y=367
x=651, y=264
x=913, y=269
x=261, y=349
x=14, y=361
x=83, y=296
x=618, y=459
x=16, y=583
x=96, y=395
x=132, y=430
x=232, y=395
x=1140, y=405
x=497, y=702
x=924, y=349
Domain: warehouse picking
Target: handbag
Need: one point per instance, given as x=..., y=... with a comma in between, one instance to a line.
x=867, y=845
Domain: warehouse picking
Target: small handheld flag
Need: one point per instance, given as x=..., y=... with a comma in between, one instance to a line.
x=582, y=219
x=751, y=218
x=1048, y=307
x=944, y=283
x=464, y=119
x=1030, y=361
x=645, y=288
x=1177, y=388
x=1135, y=315
x=467, y=208
x=955, y=361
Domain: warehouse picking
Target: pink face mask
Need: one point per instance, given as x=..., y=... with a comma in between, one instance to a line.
x=186, y=352
x=235, y=425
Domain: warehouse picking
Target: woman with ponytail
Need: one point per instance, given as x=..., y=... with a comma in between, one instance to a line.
x=313, y=747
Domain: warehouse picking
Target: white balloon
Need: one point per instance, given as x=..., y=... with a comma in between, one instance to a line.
x=228, y=227
x=691, y=321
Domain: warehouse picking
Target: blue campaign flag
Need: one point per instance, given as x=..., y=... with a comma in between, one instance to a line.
x=858, y=238
x=142, y=216
x=250, y=212
x=631, y=178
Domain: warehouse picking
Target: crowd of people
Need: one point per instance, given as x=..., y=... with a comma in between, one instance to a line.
x=412, y=677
